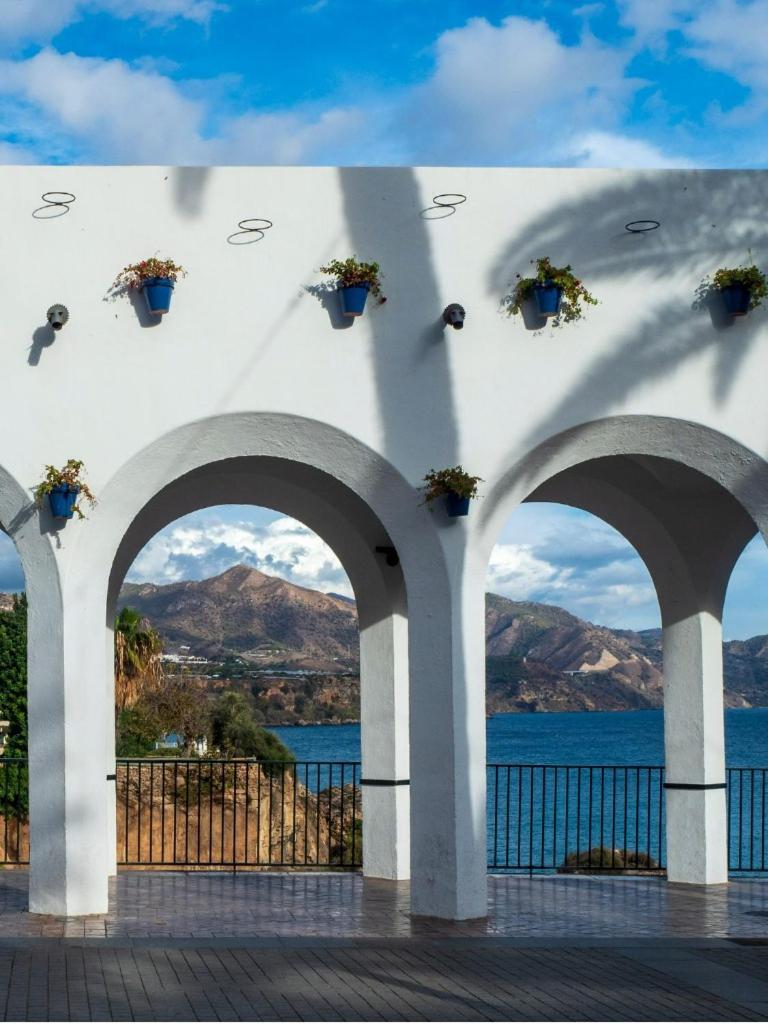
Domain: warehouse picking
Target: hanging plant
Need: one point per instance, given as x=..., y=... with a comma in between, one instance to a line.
x=453, y=484
x=64, y=487
x=742, y=288
x=156, y=278
x=556, y=291
x=354, y=280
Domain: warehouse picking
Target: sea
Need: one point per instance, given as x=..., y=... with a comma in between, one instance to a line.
x=540, y=816
x=559, y=737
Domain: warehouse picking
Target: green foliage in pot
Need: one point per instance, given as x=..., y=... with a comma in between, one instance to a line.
x=135, y=274
x=351, y=272
x=69, y=475
x=748, y=277
x=574, y=292
x=440, y=482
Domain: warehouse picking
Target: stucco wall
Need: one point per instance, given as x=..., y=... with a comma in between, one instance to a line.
x=245, y=334
x=254, y=362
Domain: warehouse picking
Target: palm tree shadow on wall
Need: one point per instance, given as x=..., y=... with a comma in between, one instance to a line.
x=189, y=187
x=382, y=209
x=411, y=372
x=708, y=220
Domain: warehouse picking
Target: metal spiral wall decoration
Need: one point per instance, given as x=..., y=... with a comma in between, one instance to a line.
x=444, y=204
x=56, y=204
x=640, y=227
x=250, y=226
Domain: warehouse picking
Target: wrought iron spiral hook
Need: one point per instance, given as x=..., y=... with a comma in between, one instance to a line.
x=445, y=203
x=250, y=226
x=640, y=227
x=54, y=201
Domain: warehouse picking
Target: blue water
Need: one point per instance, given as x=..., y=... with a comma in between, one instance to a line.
x=567, y=737
x=537, y=816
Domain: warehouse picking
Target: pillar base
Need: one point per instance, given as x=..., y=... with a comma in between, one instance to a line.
x=697, y=836
x=386, y=832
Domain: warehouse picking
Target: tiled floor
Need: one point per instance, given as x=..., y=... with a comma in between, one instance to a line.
x=337, y=947
x=206, y=905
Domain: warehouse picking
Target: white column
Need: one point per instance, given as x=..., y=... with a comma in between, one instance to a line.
x=384, y=742
x=110, y=768
x=69, y=860
x=447, y=702
x=694, y=742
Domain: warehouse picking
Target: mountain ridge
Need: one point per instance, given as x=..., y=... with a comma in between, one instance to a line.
x=538, y=656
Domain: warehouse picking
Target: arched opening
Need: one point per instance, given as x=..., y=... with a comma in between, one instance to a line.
x=745, y=624
x=278, y=815
x=689, y=529
x=241, y=623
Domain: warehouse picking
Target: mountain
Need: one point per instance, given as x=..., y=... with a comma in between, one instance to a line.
x=248, y=613
x=539, y=657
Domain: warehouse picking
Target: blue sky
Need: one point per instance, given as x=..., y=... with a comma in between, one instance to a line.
x=628, y=83
x=620, y=82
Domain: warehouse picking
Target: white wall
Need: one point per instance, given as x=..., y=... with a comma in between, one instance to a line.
x=251, y=361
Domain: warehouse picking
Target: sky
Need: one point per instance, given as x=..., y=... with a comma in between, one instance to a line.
x=621, y=82
x=627, y=83
x=548, y=553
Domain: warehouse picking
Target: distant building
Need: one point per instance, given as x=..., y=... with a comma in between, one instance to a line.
x=175, y=741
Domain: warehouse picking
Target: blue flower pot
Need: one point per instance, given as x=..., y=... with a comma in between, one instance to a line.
x=353, y=299
x=736, y=298
x=456, y=505
x=63, y=499
x=158, y=291
x=547, y=297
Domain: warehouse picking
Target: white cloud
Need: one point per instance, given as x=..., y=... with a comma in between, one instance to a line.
x=733, y=38
x=608, y=149
x=566, y=557
x=40, y=20
x=95, y=110
x=651, y=20
x=514, y=571
x=284, y=547
x=510, y=93
x=104, y=105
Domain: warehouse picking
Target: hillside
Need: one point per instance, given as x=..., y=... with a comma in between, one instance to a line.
x=248, y=613
x=539, y=657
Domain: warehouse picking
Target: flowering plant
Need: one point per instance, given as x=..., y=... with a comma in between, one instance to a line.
x=351, y=272
x=135, y=274
x=68, y=476
x=574, y=292
x=450, y=481
x=748, y=277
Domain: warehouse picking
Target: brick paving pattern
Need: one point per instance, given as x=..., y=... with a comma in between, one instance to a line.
x=335, y=947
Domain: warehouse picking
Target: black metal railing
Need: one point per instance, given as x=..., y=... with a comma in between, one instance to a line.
x=14, y=810
x=245, y=813
x=544, y=818
x=238, y=813
x=747, y=825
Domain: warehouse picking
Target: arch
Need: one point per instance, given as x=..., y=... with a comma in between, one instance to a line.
x=309, y=454
x=688, y=499
x=736, y=469
x=355, y=501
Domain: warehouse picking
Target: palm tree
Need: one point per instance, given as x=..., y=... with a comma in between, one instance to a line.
x=138, y=667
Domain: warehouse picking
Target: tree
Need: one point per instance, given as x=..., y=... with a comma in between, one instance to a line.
x=136, y=733
x=235, y=732
x=175, y=704
x=13, y=675
x=138, y=667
